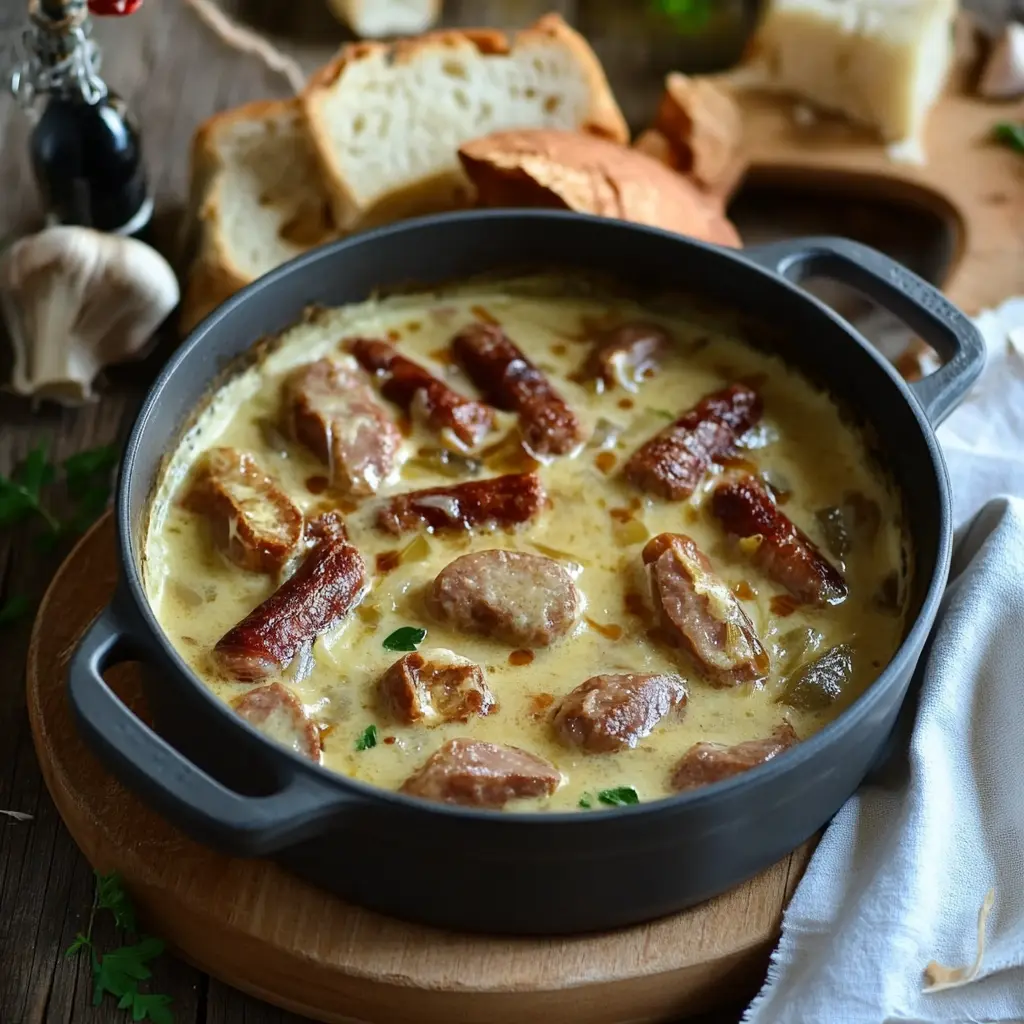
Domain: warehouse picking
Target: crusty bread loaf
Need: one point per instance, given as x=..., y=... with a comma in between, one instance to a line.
x=568, y=170
x=387, y=119
x=375, y=19
x=257, y=198
x=698, y=131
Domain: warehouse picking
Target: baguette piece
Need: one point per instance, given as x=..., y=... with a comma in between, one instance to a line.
x=375, y=19
x=387, y=119
x=257, y=200
x=880, y=63
x=698, y=131
x=571, y=171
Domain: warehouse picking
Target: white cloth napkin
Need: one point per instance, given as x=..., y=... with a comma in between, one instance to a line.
x=903, y=869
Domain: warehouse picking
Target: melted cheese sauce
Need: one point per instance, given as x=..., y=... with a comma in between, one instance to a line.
x=598, y=521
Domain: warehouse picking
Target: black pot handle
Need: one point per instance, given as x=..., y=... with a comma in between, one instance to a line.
x=920, y=305
x=183, y=792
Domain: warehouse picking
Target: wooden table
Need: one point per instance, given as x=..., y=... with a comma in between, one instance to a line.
x=174, y=73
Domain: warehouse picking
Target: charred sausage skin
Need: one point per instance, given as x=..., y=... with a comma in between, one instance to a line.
x=324, y=589
x=779, y=547
x=416, y=390
x=510, y=381
x=673, y=462
x=501, y=501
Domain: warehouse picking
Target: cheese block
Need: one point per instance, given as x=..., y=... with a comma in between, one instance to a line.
x=881, y=63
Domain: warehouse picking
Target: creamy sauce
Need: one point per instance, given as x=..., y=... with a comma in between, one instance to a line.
x=598, y=521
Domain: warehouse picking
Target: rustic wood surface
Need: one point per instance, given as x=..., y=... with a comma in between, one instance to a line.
x=174, y=74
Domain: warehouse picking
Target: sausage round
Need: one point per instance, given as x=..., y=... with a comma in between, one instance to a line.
x=519, y=599
x=479, y=774
x=435, y=686
x=705, y=763
x=277, y=712
x=612, y=712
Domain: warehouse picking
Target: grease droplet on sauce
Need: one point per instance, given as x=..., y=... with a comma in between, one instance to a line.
x=539, y=703
x=605, y=462
x=388, y=560
x=521, y=657
x=626, y=403
x=744, y=591
x=611, y=631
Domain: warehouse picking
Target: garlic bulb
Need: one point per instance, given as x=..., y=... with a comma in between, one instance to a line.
x=76, y=300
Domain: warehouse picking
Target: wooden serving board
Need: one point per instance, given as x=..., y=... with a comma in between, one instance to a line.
x=257, y=927
x=973, y=185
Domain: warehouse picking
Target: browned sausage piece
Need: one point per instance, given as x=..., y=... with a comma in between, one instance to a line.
x=705, y=763
x=328, y=525
x=673, y=462
x=324, y=589
x=277, y=712
x=515, y=598
x=510, y=381
x=612, y=712
x=435, y=686
x=331, y=409
x=481, y=774
x=777, y=545
x=421, y=394
x=499, y=501
x=254, y=521
x=700, y=614
x=625, y=354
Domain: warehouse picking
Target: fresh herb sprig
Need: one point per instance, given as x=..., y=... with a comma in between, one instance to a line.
x=405, y=638
x=120, y=971
x=367, y=738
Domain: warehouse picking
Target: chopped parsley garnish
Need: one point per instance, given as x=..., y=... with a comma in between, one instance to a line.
x=685, y=15
x=620, y=797
x=585, y=802
x=119, y=972
x=407, y=638
x=367, y=739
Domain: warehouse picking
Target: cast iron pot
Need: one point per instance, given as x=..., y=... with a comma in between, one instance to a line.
x=226, y=785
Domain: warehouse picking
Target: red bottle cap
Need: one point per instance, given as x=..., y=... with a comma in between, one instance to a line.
x=103, y=8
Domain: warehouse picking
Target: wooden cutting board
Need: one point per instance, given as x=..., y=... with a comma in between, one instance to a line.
x=255, y=926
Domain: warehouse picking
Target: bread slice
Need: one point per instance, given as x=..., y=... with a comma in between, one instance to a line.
x=698, y=131
x=881, y=63
x=257, y=199
x=387, y=120
x=374, y=19
x=571, y=171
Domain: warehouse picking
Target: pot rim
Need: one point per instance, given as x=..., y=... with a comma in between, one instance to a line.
x=788, y=761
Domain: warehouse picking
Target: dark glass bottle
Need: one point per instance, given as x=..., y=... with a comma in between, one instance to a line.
x=87, y=160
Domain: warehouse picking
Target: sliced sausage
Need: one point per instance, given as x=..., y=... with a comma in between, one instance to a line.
x=328, y=525
x=324, y=589
x=705, y=763
x=699, y=613
x=510, y=381
x=435, y=686
x=613, y=712
x=479, y=774
x=499, y=501
x=776, y=544
x=515, y=598
x=254, y=521
x=673, y=462
x=421, y=394
x=278, y=713
x=625, y=354
x=331, y=409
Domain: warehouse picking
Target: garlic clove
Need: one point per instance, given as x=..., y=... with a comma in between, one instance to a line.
x=75, y=301
x=1003, y=77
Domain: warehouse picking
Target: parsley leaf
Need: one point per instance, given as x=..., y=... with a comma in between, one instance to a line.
x=368, y=738
x=585, y=802
x=407, y=638
x=152, y=1007
x=14, y=608
x=120, y=971
x=20, y=492
x=620, y=797
x=111, y=896
x=81, y=942
x=91, y=463
x=1011, y=135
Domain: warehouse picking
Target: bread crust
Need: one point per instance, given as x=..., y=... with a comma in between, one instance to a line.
x=587, y=174
x=604, y=118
